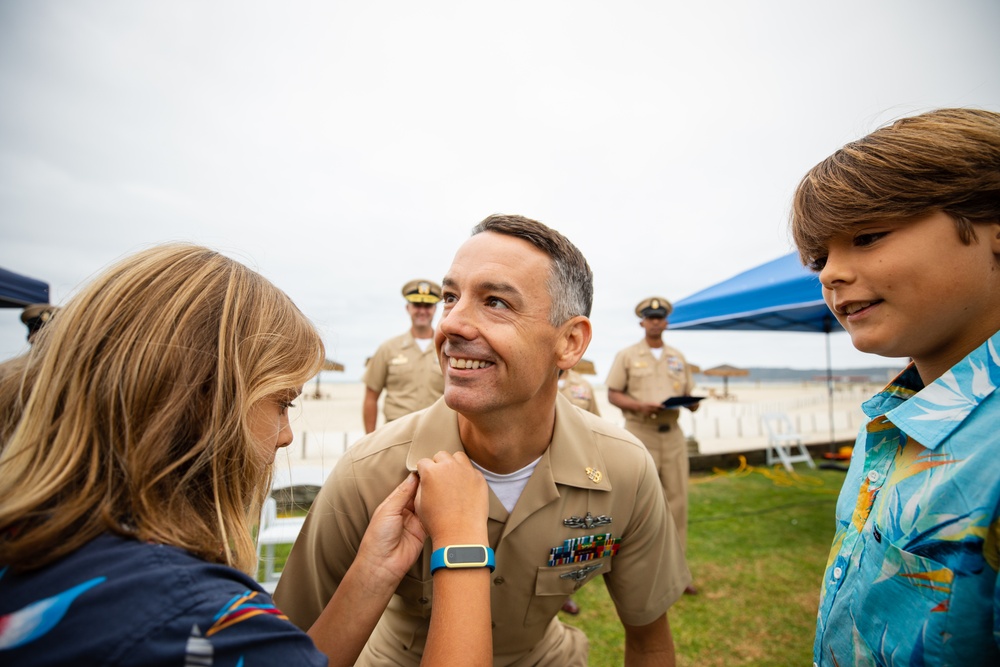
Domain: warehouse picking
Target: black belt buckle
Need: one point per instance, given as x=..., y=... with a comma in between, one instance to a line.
x=663, y=428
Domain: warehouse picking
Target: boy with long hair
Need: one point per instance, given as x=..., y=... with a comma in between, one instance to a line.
x=903, y=227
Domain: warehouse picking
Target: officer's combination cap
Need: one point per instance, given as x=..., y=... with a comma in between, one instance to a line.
x=36, y=315
x=654, y=306
x=422, y=291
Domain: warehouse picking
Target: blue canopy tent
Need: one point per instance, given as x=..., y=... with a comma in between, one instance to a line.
x=780, y=295
x=17, y=291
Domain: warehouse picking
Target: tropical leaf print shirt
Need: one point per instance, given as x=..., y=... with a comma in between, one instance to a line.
x=912, y=574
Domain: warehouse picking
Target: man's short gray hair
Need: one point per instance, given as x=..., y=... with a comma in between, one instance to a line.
x=571, y=282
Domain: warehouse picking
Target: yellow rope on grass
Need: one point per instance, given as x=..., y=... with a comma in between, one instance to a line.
x=778, y=475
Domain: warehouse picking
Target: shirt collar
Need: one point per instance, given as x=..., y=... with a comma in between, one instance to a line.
x=575, y=459
x=929, y=414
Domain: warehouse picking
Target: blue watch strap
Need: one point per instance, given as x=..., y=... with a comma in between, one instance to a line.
x=462, y=556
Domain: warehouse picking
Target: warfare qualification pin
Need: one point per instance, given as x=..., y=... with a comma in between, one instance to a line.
x=587, y=522
x=595, y=475
x=581, y=574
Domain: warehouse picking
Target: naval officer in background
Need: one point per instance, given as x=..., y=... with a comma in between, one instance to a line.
x=642, y=377
x=406, y=367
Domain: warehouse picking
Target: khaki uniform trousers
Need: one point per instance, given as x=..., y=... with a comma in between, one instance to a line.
x=561, y=646
x=669, y=451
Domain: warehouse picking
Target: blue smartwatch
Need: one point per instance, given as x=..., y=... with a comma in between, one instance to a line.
x=462, y=556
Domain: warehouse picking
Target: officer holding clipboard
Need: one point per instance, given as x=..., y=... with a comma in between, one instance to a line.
x=650, y=381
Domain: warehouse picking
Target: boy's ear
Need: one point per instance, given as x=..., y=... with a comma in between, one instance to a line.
x=574, y=339
x=995, y=237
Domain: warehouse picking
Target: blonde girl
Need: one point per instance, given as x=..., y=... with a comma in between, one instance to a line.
x=137, y=441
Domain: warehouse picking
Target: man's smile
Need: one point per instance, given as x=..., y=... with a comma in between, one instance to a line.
x=468, y=363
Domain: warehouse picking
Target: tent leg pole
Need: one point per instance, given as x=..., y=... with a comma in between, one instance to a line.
x=829, y=392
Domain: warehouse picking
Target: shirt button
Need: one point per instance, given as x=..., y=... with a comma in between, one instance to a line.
x=837, y=572
x=873, y=476
x=498, y=581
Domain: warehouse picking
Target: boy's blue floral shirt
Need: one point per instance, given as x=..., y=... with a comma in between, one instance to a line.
x=912, y=574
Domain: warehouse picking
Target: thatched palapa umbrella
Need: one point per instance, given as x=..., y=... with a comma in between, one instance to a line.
x=725, y=371
x=328, y=365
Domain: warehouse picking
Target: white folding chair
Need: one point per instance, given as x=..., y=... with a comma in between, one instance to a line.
x=781, y=435
x=273, y=531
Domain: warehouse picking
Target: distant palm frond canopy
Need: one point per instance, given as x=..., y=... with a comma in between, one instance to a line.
x=330, y=365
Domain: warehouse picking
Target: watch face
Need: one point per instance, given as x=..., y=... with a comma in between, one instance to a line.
x=459, y=555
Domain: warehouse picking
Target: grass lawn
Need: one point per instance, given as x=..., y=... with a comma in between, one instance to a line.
x=758, y=540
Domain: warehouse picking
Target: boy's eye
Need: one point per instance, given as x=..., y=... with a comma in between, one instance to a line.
x=816, y=264
x=868, y=238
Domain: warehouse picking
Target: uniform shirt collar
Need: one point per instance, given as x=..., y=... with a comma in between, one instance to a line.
x=436, y=430
x=571, y=453
x=929, y=414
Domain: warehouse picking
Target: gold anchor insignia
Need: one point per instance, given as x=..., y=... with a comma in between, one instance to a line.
x=424, y=288
x=656, y=303
x=595, y=475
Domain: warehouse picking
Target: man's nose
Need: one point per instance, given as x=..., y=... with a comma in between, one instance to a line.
x=459, y=320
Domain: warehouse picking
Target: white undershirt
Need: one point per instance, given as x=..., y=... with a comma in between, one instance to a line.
x=423, y=343
x=508, y=488
x=657, y=352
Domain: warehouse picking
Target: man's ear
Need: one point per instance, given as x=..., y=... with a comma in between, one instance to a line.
x=574, y=339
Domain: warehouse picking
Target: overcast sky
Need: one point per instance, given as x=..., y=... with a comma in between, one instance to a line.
x=344, y=148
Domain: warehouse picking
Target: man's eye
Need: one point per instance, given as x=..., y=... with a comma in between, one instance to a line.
x=494, y=302
x=448, y=298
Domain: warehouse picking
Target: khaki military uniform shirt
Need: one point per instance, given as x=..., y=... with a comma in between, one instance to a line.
x=645, y=378
x=578, y=391
x=411, y=378
x=590, y=468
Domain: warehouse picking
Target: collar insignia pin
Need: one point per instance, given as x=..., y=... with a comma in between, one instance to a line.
x=595, y=475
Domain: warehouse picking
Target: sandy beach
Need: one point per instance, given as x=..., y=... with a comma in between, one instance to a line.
x=327, y=425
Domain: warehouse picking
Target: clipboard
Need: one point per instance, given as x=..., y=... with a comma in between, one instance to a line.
x=682, y=401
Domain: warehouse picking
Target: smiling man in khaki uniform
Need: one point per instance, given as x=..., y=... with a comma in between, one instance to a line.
x=641, y=378
x=572, y=497
x=406, y=366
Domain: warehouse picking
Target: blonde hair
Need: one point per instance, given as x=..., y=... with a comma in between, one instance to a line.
x=130, y=412
x=945, y=160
